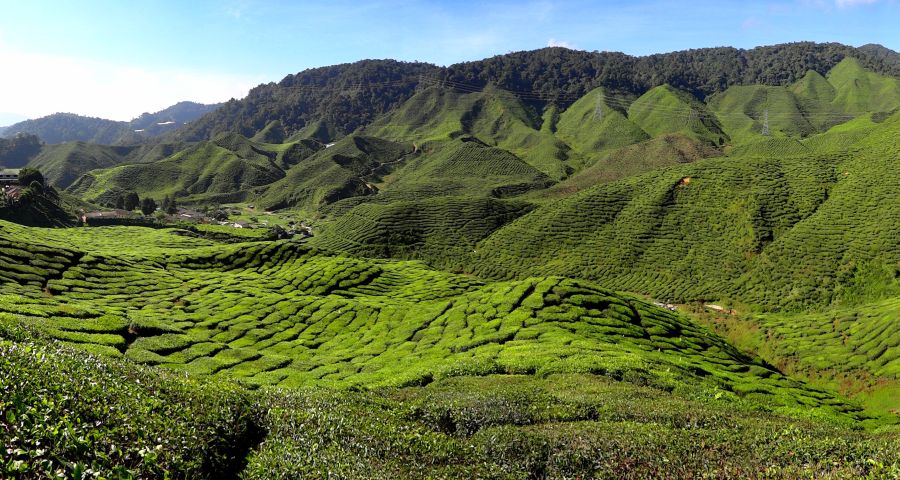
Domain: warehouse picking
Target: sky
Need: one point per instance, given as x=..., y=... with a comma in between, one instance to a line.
x=117, y=59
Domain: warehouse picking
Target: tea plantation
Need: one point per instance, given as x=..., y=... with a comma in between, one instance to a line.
x=302, y=363
x=460, y=310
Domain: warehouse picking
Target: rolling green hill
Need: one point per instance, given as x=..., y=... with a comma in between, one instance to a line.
x=226, y=169
x=811, y=105
x=666, y=110
x=460, y=364
x=493, y=116
x=333, y=173
x=63, y=164
x=591, y=125
x=337, y=100
x=786, y=232
x=484, y=294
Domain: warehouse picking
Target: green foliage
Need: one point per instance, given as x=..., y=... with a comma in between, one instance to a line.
x=64, y=413
x=218, y=170
x=148, y=206
x=339, y=98
x=788, y=232
x=436, y=374
x=130, y=201
x=27, y=176
x=64, y=163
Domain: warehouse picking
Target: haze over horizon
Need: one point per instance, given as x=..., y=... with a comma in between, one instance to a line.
x=113, y=60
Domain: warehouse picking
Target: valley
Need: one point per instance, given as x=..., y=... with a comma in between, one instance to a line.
x=506, y=271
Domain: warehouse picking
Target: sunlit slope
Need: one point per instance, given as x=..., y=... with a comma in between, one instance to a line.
x=812, y=104
x=610, y=165
x=361, y=169
x=282, y=314
x=430, y=228
x=346, y=169
x=786, y=231
x=115, y=418
x=743, y=110
x=62, y=164
x=845, y=341
x=665, y=109
x=858, y=90
x=225, y=168
x=597, y=122
x=494, y=116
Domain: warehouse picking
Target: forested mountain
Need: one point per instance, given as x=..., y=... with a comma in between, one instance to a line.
x=333, y=101
x=65, y=127
x=19, y=150
x=546, y=264
x=327, y=102
x=68, y=127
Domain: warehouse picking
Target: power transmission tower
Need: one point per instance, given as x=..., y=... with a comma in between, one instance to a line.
x=598, y=109
x=765, y=129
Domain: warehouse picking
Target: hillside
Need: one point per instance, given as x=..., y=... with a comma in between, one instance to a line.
x=69, y=127
x=334, y=101
x=63, y=164
x=770, y=231
x=462, y=364
x=225, y=168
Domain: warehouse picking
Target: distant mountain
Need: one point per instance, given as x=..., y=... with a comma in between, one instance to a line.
x=17, y=151
x=154, y=124
x=881, y=53
x=68, y=127
x=330, y=102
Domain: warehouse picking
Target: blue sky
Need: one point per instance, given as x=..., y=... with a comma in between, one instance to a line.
x=117, y=59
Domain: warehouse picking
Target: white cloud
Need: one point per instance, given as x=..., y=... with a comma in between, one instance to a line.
x=34, y=85
x=853, y=3
x=559, y=43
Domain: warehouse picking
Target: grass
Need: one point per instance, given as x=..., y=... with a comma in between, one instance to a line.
x=278, y=313
x=290, y=362
x=790, y=232
x=852, y=349
x=75, y=414
x=220, y=170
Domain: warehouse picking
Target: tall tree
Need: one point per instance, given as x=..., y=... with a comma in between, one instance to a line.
x=148, y=206
x=132, y=201
x=29, y=175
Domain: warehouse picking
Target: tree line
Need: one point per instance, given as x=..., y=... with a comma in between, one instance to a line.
x=336, y=100
x=130, y=201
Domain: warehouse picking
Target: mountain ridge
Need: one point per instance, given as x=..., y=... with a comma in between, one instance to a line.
x=60, y=128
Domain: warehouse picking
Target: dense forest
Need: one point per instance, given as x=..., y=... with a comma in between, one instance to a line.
x=341, y=97
x=333, y=101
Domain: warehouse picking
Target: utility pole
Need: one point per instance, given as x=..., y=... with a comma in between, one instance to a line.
x=765, y=129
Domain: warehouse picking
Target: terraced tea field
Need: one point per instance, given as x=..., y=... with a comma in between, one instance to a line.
x=280, y=313
x=379, y=369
